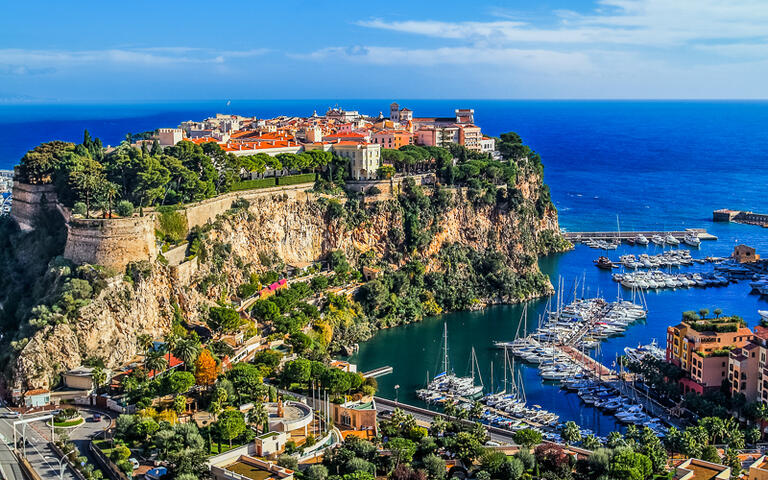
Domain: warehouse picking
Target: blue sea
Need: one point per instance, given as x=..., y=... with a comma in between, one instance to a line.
x=641, y=164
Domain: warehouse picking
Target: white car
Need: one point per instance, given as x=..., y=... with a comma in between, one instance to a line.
x=134, y=463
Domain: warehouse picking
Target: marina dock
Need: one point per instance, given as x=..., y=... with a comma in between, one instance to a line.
x=378, y=372
x=611, y=235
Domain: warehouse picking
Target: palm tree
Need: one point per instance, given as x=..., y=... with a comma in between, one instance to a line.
x=155, y=361
x=449, y=407
x=570, y=433
x=144, y=341
x=259, y=416
x=476, y=411
x=171, y=340
x=187, y=350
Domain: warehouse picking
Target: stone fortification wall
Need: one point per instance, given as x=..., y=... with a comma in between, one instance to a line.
x=29, y=200
x=391, y=186
x=203, y=212
x=111, y=242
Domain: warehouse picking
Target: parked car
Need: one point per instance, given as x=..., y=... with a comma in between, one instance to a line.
x=11, y=414
x=134, y=463
x=96, y=417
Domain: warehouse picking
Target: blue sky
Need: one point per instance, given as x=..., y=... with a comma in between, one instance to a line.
x=170, y=50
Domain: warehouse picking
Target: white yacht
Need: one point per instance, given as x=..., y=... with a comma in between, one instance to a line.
x=692, y=239
x=671, y=240
x=641, y=240
x=657, y=239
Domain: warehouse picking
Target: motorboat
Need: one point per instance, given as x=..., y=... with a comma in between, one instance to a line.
x=641, y=240
x=692, y=239
x=671, y=240
x=657, y=239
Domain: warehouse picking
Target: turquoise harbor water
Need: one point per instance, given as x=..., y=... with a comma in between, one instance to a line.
x=655, y=165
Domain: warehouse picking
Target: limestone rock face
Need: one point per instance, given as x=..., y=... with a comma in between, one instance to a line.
x=294, y=229
x=106, y=328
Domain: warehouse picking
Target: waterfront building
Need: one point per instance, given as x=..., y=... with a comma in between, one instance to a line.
x=745, y=254
x=356, y=416
x=702, y=348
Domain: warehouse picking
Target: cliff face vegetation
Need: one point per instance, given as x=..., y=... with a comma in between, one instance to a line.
x=420, y=224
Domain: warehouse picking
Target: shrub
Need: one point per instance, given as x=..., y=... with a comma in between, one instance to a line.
x=79, y=208
x=172, y=225
x=124, y=208
x=288, y=461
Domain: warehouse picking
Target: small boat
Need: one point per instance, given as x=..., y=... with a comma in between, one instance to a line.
x=692, y=239
x=641, y=240
x=657, y=239
x=763, y=314
x=605, y=263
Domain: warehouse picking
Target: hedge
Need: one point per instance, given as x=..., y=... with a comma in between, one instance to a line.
x=295, y=179
x=253, y=184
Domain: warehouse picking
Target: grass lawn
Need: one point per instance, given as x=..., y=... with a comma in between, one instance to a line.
x=69, y=423
x=104, y=446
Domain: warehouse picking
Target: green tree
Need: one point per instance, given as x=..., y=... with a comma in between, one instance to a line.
x=316, y=472
x=180, y=403
x=570, y=432
x=435, y=466
x=86, y=180
x=402, y=450
x=230, y=425
x=527, y=437
x=591, y=442
x=98, y=376
x=187, y=349
x=718, y=312
x=703, y=312
x=223, y=319
x=630, y=465
x=466, y=446
x=180, y=382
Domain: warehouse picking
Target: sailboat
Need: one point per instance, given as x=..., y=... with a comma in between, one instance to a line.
x=447, y=384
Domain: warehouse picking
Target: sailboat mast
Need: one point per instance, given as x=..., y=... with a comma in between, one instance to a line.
x=505, y=368
x=445, y=347
x=492, y=391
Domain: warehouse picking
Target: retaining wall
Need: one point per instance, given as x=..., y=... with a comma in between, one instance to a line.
x=29, y=200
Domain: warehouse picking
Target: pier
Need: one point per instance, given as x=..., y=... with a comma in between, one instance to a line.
x=611, y=235
x=739, y=216
x=378, y=372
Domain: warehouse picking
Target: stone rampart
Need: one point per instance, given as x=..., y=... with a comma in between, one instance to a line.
x=29, y=200
x=391, y=186
x=205, y=211
x=111, y=242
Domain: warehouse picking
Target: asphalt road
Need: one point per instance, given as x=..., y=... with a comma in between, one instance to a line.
x=39, y=454
x=85, y=432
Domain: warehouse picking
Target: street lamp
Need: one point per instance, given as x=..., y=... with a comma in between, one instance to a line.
x=61, y=463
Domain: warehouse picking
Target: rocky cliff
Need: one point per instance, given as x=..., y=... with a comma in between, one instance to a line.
x=242, y=240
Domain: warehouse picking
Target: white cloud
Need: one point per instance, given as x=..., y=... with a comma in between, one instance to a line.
x=615, y=22
x=534, y=59
x=21, y=61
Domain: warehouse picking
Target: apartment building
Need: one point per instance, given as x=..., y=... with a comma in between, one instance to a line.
x=702, y=349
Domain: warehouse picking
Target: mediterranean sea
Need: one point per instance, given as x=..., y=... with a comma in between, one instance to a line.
x=653, y=164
